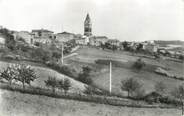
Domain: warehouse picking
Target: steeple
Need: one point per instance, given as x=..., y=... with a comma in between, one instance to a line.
x=87, y=26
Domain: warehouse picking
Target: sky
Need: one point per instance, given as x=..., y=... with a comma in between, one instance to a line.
x=131, y=20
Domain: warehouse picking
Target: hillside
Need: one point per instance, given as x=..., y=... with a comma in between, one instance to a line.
x=17, y=104
x=43, y=73
x=100, y=73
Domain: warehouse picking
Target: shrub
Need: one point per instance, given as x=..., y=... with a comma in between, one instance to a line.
x=84, y=76
x=51, y=82
x=139, y=64
x=66, y=85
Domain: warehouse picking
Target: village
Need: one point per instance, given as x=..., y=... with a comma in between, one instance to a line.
x=92, y=68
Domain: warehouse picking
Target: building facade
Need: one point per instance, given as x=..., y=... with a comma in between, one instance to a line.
x=87, y=26
x=43, y=36
x=97, y=40
x=43, y=33
x=26, y=36
x=64, y=37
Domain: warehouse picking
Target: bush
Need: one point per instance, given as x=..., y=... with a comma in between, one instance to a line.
x=51, y=82
x=84, y=76
x=139, y=64
x=62, y=69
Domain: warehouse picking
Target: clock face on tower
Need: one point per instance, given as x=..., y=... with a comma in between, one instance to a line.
x=87, y=26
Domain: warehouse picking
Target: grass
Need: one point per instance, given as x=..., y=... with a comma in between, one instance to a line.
x=43, y=73
x=100, y=73
x=14, y=103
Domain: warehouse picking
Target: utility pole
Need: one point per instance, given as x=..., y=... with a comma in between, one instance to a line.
x=110, y=76
x=62, y=53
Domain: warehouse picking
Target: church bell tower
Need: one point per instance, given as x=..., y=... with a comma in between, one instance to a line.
x=87, y=26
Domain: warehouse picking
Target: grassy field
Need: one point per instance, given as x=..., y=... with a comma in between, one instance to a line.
x=147, y=76
x=43, y=73
x=17, y=104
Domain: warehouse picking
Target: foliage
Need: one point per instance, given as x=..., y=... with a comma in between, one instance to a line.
x=25, y=74
x=19, y=72
x=130, y=85
x=84, y=75
x=139, y=64
x=8, y=74
x=66, y=85
x=10, y=42
x=51, y=82
x=62, y=69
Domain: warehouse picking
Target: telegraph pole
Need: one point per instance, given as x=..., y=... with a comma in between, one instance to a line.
x=110, y=76
x=62, y=53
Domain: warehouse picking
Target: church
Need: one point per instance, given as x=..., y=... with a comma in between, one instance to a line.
x=88, y=38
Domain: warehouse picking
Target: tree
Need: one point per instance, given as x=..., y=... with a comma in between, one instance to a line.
x=60, y=84
x=66, y=85
x=8, y=74
x=25, y=74
x=178, y=93
x=139, y=64
x=9, y=42
x=130, y=85
x=125, y=45
x=51, y=82
x=139, y=47
x=160, y=87
x=84, y=75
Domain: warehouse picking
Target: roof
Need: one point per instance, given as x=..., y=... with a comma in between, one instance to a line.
x=66, y=33
x=41, y=30
x=100, y=37
x=88, y=18
x=113, y=40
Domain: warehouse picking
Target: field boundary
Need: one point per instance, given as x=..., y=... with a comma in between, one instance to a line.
x=114, y=101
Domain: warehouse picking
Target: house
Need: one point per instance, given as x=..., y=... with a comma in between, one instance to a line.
x=84, y=40
x=97, y=40
x=2, y=42
x=114, y=42
x=25, y=35
x=47, y=41
x=150, y=47
x=43, y=36
x=43, y=33
x=64, y=36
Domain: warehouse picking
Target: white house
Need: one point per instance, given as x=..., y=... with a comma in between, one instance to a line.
x=2, y=42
